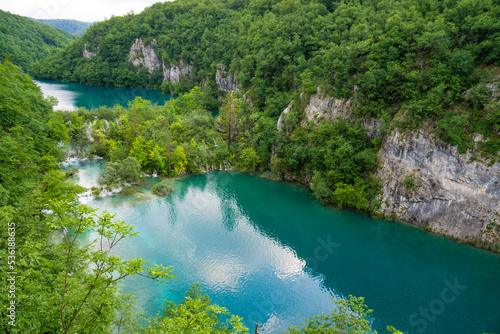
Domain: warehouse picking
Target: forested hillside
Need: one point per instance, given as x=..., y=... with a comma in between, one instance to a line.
x=393, y=51
x=29, y=41
x=72, y=26
x=393, y=64
x=385, y=106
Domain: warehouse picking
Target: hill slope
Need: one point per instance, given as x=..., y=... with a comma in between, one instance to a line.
x=384, y=67
x=29, y=41
x=72, y=26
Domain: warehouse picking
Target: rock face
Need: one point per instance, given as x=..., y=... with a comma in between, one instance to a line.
x=86, y=53
x=325, y=108
x=225, y=81
x=173, y=73
x=430, y=184
x=281, y=121
x=424, y=181
x=145, y=55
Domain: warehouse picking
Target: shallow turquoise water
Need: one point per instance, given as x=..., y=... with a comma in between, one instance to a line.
x=270, y=253
x=72, y=96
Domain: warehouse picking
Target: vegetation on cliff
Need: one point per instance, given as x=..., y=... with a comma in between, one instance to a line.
x=427, y=62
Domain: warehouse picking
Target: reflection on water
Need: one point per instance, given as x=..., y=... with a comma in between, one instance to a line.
x=270, y=253
x=72, y=96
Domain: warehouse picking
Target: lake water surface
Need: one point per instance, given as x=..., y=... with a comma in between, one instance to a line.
x=269, y=252
x=72, y=96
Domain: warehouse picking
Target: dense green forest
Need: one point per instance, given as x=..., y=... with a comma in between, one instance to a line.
x=55, y=282
x=405, y=63
x=184, y=137
x=421, y=54
x=29, y=41
x=72, y=26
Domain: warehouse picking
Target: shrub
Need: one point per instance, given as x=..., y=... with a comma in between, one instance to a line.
x=320, y=188
x=129, y=190
x=349, y=195
x=118, y=173
x=161, y=189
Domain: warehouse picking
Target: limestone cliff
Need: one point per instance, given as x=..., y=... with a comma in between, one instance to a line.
x=173, y=72
x=145, y=55
x=86, y=53
x=424, y=181
x=428, y=183
x=322, y=107
x=282, y=120
x=224, y=81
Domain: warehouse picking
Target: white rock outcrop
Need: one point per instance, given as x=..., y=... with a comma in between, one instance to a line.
x=86, y=53
x=428, y=183
x=225, y=82
x=322, y=107
x=173, y=72
x=281, y=121
x=145, y=55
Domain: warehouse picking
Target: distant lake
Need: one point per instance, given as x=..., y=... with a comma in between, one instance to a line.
x=72, y=96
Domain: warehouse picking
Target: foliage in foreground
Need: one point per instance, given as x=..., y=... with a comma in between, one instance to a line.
x=195, y=314
x=66, y=273
x=350, y=316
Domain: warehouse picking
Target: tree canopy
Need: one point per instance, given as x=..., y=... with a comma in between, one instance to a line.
x=28, y=41
x=74, y=27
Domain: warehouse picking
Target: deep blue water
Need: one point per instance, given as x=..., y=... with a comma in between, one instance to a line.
x=269, y=252
x=72, y=96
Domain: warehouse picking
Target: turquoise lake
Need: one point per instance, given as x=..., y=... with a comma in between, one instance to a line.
x=72, y=96
x=269, y=252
